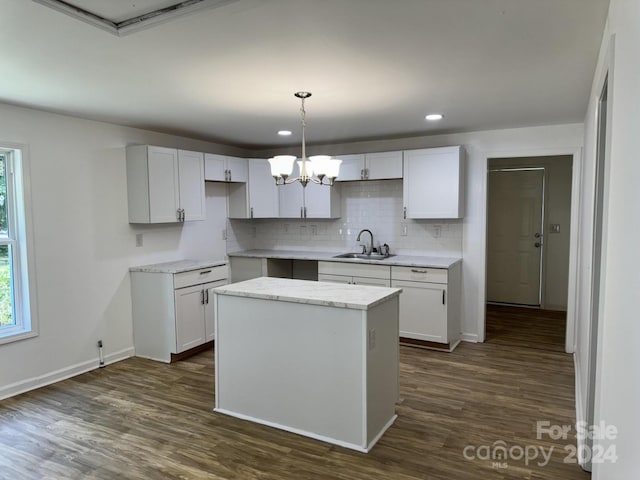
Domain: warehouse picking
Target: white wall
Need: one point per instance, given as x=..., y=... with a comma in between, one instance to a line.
x=84, y=244
x=517, y=142
x=617, y=384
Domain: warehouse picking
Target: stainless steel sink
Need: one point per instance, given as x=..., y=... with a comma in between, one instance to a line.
x=364, y=256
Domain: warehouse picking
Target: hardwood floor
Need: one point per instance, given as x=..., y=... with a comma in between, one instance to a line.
x=141, y=419
x=526, y=327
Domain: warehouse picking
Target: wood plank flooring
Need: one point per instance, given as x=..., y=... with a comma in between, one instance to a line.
x=526, y=327
x=140, y=419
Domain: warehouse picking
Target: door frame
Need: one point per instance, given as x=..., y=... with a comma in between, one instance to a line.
x=576, y=190
x=543, y=233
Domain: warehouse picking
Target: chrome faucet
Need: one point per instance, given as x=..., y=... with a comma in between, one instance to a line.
x=370, y=251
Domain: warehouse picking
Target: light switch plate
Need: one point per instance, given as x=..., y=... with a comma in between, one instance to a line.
x=555, y=228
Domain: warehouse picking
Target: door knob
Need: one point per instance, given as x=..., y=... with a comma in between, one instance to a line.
x=537, y=235
x=537, y=244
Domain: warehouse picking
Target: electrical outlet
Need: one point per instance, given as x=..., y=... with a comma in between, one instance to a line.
x=404, y=230
x=437, y=231
x=139, y=239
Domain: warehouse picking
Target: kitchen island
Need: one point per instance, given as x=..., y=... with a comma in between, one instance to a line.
x=317, y=359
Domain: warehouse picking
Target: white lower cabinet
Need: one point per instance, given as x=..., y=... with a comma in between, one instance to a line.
x=429, y=305
x=173, y=312
x=354, y=273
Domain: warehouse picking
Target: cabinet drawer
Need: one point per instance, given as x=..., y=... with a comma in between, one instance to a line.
x=420, y=274
x=354, y=269
x=202, y=275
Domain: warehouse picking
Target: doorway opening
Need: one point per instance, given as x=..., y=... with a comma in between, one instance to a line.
x=528, y=244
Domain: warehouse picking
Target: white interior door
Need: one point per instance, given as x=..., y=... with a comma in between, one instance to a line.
x=514, y=236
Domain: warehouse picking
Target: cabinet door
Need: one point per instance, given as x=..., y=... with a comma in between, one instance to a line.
x=164, y=188
x=263, y=191
x=190, y=325
x=326, y=277
x=433, y=183
x=351, y=168
x=214, y=167
x=376, y=282
x=381, y=166
x=423, y=313
x=321, y=201
x=209, y=311
x=291, y=197
x=238, y=169
x=191, y=175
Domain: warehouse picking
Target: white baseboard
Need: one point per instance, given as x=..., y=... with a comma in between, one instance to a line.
x=322, y=438
x=469, y=337
x=580, y=413
x=61, y=374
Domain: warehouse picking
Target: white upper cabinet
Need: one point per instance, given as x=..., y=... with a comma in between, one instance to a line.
x=312, y=201
x=370, y=166
x=164, y=185
x=191, y=181
x=263, y=191
x=321, y=201
x=258, y=198
x=221, y=168
x=351, y=168
x=383, y=166
x=433, y=183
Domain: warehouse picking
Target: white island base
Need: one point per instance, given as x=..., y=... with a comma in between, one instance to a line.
x=317, y=359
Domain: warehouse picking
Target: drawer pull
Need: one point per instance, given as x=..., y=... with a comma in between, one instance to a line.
x=415, y=270
x=204, y=272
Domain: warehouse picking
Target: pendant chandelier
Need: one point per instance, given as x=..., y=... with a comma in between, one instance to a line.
x=322, y=166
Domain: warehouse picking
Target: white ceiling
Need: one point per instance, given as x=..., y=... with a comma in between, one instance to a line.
x=375, y=67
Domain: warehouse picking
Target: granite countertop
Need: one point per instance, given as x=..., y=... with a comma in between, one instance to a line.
x=358, y=297
x=178, y=266
x=398, y=260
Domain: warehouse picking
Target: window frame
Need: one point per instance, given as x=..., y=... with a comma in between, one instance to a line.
x=19, y=236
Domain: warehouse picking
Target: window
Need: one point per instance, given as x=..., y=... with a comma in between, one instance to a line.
x=15, y=307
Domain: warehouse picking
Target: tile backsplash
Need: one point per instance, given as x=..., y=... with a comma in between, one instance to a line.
x=375, y=205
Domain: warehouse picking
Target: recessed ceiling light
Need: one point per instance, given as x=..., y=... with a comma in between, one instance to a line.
x=432, y=117
x=284, y=133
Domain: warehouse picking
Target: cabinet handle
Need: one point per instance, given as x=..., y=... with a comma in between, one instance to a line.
x=404, y=214
x=415, y=270
x=202, y=297
x=301, y=212
x=443, y=292
x=204, y=272
x=362, y=174
x=207, y=295
x=229, y=175
x=180, y=214
x=251, y=212
x=305, y=212
x=366, y=174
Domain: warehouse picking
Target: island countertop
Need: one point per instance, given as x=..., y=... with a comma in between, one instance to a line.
x=177, y=266
x=358, y=297
x=396, y=260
